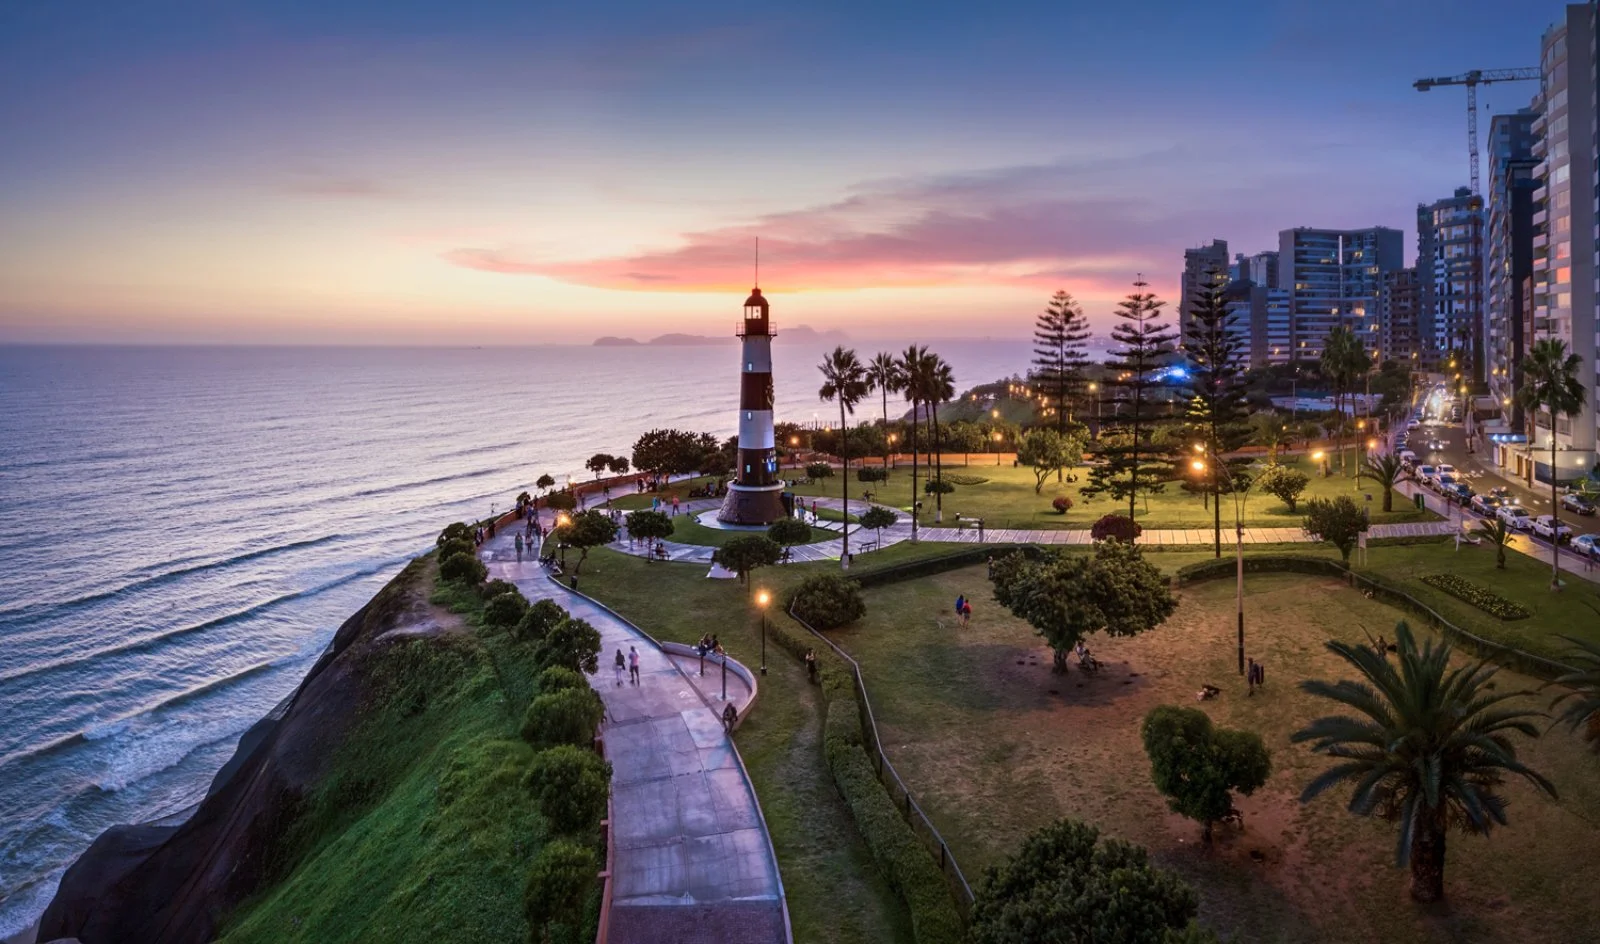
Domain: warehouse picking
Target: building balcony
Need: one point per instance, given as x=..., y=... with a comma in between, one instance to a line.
x=749, y=326
x=1540, y=217
x=1541, y=240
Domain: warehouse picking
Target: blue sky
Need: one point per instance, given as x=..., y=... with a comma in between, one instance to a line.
x=499, y=172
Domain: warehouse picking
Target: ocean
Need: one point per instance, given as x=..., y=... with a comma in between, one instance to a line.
x=182, y=529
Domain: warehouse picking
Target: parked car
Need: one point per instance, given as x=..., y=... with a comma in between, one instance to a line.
x=1516, y=517
x=1460, y=493
x=1425, y=473
x=1408, y=459
x=1412, y=424
x=1545, y=526
x=1444, y=483
x=1448, y=469
x=1577, y=504
x=1485, y=505
x=1587, y=544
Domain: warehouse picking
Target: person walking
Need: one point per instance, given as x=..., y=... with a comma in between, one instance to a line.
x=519, y=545
x=730, y=716
x=674, y=506
x=966, y=613
x=621, y=666
x=633, y=665
x=1250, y=675
x=811, y=665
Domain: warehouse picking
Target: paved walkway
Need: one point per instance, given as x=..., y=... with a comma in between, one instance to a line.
x=692, y=859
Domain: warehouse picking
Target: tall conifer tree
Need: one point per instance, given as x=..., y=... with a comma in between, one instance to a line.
x=1060, y=355
x=1136, y=365
x=1216, y=415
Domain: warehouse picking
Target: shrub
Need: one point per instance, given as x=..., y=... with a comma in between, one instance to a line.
x=464, y=569
x=961, y=478
x=572, y=643
x=459, y=546
x=1062, y=504
x=559, y=678
x=1197, y=765
x=457, y=531
x=561, y=501
x=819, y=470
x=790, y=531
x=869, y=474
x=1338, y=521
x=1119, y=527
x=1283, y=482
x=538, y=619
x=569, y=716
x=571, y=785
x=745, y=554
x=560, y=880
x=1481, y=597
x=496, y=587
x=505, y=610
x=651, y=525
x=937, y=487
x=828, y=601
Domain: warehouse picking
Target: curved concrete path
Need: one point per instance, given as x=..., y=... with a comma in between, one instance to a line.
x=692, y=859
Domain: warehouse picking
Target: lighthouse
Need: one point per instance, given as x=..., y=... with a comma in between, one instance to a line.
x=755, y=496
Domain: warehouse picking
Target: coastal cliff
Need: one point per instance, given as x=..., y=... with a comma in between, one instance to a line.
x=385, y=799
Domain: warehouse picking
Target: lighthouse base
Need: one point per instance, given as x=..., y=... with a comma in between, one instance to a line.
x=752, y=504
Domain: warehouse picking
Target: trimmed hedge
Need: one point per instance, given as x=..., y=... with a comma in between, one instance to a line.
x=1264, y=563
x=1481, y=597
x=901, y=857
x=928, y=566
x=961, y=478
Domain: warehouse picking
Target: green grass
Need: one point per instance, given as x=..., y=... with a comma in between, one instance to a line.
x=836, y=893
x=1008, y=500
x=422, y=830
x=686, y=530
x=994, y=746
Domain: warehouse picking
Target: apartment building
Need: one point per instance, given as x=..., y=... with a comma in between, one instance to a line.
x=1335, y=277
x=1400, y=335
x=1450, y=276
x=1508, y=256
x=1200, y=266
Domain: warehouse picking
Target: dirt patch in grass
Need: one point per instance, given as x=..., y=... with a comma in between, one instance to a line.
x=994, y=746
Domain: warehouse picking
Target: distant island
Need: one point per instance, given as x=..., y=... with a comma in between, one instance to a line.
x=798, y=332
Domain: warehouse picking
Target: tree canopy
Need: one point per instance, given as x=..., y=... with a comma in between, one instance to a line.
x=1339, y=521
x=744, y=554
x=1047, y=452
x=649, y=525
x=1137, y=366
x=1060, y=355
x=1283, y=482
x=585, y=530
x=1197, y=765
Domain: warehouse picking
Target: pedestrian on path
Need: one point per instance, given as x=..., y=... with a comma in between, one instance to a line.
x=811, y=665
x=621, y=664
x=519, y=546
x=674, y=506
x=633, y=665
x=1250, y=675
x=730, y=716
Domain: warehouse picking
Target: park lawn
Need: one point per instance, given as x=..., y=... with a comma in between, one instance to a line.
x=686, y=530
x=835, y=891
x=1008, y=500
x=627, y=499
x=994, y=746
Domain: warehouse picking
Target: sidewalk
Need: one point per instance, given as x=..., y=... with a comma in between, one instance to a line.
x=692, y=860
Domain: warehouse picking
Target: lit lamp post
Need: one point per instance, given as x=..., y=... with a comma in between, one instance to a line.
x=997, y=448
x=762, y=599
x=1320, y=456
x=1094, y=388
x=561, y=522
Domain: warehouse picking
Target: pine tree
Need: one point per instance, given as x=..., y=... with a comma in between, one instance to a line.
x=1136, y=466
x=1216, y=416
x=1060, y=355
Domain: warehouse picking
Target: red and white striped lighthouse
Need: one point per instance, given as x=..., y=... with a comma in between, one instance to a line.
x=756, y=495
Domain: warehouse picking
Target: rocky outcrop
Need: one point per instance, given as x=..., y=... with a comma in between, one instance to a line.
x=177, y=884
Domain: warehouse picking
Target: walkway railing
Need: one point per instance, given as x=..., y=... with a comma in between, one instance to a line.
x=921, y=826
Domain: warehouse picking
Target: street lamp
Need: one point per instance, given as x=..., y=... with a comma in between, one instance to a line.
x=1321, y=457
x=762, y=599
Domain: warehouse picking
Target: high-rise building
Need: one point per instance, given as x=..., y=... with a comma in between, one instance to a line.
x=1201, y=266
x=1450, y=274
x=1335, y=277
x=1400, y=316
x=1261, y=268
x=1565, y=238
x=1508, y=255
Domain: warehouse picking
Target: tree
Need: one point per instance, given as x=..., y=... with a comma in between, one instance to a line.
x=1551, y=381
x=561, y=501
x=844, y=380
x=1136, y=366
x=539, y=619
x=937, y=487
x=1583, y=689
x=1283, y=482
x=1216, y=400
x=828, y=601
x=1428, y=746
x=1386, y=469
x=885, y=375
x=544, y=482
x=664, y=452
x=586, y=530
x=1197, y=765
x=567, y=716
x=965, y=438
x=571, y=785
x=454, y=532
x=558, y=884
x=1115, y=527
x=619, y=465
x=649, y=525
x=1268, y=429
x=1060, y=355
x=1046, y=451
x=911, y=362
x=1496, y=532
x=504, y=610
x=463, y=568
x=1067, y=597
x=599, y=463
x=787, y=531
x=819, y=470
x=877, y=518
x=744, y=554
x=572, y=643
x=1066, y=885
x=1338, y=521
x=1343, y=361
x=935, y=384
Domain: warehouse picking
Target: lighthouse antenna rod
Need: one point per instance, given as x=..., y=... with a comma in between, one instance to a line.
x=758, y=262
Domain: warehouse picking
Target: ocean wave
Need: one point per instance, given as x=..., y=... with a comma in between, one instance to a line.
x=145, y=643
x=36, y=611
x=440, y=480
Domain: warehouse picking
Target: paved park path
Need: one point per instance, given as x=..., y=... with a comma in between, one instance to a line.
x=692, y=861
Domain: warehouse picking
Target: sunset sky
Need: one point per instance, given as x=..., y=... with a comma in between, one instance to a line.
x=408, y=172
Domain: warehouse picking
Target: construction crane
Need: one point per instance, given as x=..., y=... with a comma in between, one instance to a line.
x=1472, y=80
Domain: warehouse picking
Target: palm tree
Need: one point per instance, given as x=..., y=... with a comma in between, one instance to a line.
x=1429, y=747
x=845, y=380
x=1386, y=469
x=1550, y=380
x=1584, y=685
x=939, y=387
x=885, y=376
x=1495, y=532
x=1268, y=429
x=911, y=365
x=1343, y=359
